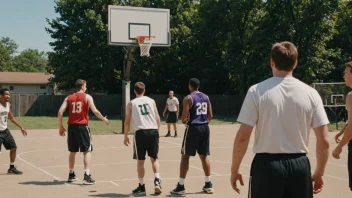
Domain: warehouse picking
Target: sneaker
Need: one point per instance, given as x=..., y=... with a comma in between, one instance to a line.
x=72, y=177
x=140, y=190
x=179, y=190
x=88, y=180
x=175, y=135
x=208, y=188
x=157, y=186
x=168, y=134
x=14, y=170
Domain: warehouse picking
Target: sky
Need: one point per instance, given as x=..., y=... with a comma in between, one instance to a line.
x=24, y=21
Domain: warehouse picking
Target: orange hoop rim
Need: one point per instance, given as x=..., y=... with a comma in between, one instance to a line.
x=141, y=39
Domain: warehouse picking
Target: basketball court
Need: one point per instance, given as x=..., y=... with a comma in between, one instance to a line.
x=43, y=157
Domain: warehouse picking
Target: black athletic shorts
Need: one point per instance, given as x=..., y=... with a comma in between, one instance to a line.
x=171, y=117
x=349, y=164
x=7, y=140
x=146, y=141
x=196, y=140
x=280, y=175
x=79, y=138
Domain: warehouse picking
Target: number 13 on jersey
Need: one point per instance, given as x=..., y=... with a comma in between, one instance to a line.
x=76, y=107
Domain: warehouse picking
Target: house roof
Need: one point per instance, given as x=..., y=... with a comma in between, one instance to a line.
x=24, y=77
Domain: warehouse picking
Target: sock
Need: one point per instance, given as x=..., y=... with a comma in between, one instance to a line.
x=157, y=175
x=175, y=132
x=71, y=171
x=182, y=181
x=87, y=171
x=141, y=181
x=207, y=178
x=12, y=165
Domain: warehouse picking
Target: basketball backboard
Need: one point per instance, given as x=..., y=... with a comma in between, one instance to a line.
x=126, y=23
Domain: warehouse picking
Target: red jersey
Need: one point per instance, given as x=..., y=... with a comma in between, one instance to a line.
x=78, y=108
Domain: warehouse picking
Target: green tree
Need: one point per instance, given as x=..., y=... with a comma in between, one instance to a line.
x=8, y=48
x=29, y=60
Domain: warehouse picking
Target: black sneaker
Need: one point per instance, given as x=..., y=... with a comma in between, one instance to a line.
x=168, y=134
x=208, y=188
x=88, y=180
x=140, y=190
x=179, y=190
x=14, y=170
x=157, y=185
x=72, y=177
x=175, y=134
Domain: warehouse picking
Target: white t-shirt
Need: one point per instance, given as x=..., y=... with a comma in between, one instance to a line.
x=143, y=113
x=283, y=110
x=4, y=112
x=172, y=104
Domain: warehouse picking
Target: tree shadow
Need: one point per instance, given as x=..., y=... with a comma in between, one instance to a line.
x=47, y=183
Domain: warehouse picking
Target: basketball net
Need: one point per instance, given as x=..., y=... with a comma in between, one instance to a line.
x=145, y=43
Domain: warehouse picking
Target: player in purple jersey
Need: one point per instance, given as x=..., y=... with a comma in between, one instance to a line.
x=197, y=113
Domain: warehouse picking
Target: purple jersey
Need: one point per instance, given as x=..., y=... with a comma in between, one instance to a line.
x=198, y=113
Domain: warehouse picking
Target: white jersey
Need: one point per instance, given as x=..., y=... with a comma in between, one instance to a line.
x=143, y=113
x=4, y=112
x=172, y=104
x=283, y=110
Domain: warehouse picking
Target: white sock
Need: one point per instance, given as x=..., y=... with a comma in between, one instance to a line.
x=71, y=171
x=157, y=175
x=182, y=181
x=207, y=178
x=12, y=163
x=87, y=171
x=141, y=181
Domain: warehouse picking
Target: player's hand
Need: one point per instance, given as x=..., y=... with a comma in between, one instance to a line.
x=318, y=183
x=106, y=120
x=126, y=141
x=237, y=176
x=337, y=137
x=62, y=131
x=24, y=132
x=336, y=152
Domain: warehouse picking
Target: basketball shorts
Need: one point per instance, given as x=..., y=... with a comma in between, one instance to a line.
x=171, y=117
x=7, y=140
x=196, y=140
x=79, y=138
x=146, y=141
x=280, y=175
x=349, y=164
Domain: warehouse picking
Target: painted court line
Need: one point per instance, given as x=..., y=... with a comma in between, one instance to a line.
x=113, y=183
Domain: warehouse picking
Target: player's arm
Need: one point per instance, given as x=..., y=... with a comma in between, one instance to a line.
x=210, y=111
x=157, y=115
x=165, y=109
x=127, y=124
x=61, y=113
x=347, y=136
x=178, y=108
x=240, y=146
x=322, y=149
x=96, y=112
x=187, y=102
x=13, y=119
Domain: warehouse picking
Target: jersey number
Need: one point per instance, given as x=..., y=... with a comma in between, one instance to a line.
x=5, y=119
x=202, y=108
x=143, y=109
x=76, y=107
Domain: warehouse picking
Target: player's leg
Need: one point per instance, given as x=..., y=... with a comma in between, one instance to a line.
x=139, y=152
x=349, y=164
x=299, y=179
x=168, y=128
x=189, y=148
x=73, y=148
x=10, y=144
x=204, y=152
x=153, y=151
x=86, y=147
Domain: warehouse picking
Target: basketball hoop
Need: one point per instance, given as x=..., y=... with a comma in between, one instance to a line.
x=145, y=43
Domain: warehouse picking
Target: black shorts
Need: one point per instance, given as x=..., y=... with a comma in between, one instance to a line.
x=171, y=117
x=349, y=164
x=79, y=138
x=7, y=140
x=196, y=140
x=280, y=175
x=146, y=141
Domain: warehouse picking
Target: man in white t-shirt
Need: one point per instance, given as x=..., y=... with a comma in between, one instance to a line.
x=283, y=109
x=173, y=107
x=347, y=130
x=146, y=124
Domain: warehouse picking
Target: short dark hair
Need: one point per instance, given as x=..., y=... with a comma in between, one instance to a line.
x=194, y=82
x=2, y=91
x=79, y=84
x=139, y=87
x=284, y=55
x=349, y=65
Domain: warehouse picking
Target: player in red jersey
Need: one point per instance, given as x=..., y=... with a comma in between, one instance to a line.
x=79, y=138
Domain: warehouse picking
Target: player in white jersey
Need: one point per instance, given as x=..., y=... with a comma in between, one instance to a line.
x=6, y=137
x=146, y=124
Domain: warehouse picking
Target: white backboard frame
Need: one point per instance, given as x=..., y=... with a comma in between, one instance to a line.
x=126, y=23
